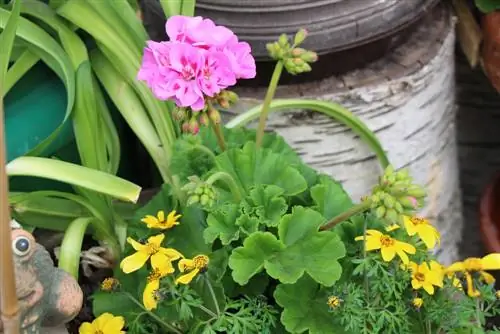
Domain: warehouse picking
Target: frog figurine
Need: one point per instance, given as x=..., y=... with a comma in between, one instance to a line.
x=48, y=296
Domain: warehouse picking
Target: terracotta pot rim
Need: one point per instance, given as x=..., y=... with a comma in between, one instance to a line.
x=488, y=227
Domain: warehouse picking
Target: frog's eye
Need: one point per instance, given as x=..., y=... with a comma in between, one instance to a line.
x=21, y=246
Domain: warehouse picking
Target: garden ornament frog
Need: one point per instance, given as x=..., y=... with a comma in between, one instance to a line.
x=48, y=296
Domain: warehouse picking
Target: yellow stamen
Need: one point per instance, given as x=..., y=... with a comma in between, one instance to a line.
x=386, y=241
x=333, y=301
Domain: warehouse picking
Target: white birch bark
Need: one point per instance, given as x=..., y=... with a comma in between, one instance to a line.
x=408, y=100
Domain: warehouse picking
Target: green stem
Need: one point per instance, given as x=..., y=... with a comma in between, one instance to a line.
x=367, y=292
x=271, y=90
x=212, y=293
x=71, y=246
x=359, y=208
x=219, y=134
x=229, y=181
x=154, y=316
x=478, y=313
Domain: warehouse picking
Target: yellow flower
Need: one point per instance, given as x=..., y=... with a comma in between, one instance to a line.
x=497, y=293
x=388, y=246
x=479, y=265
x=150, y=294
x=424, y=229
x=152, y=249
x=160, y=222
x=425, y=276
x=418, y=302
x=333, y=302
x=192, y=266
x=106, y=323
x=109, y=284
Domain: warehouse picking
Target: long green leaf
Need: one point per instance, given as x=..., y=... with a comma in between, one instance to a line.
x=128, y=14
x=187, y=7
x=20, y=67
x=131, y=108
x=47, y=48
x=76, y=175
x=333, y=110
x=171, y=8
x=7, y=38
x=69, y=255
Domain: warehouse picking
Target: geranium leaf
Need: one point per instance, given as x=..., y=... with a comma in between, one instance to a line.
x=267, y=203
x=247, y=224
x=330, y=198
x=487, y=6
x=188, y=159
x=301, y=248
x=222, y=224
x=305, y=307
x=251, y=167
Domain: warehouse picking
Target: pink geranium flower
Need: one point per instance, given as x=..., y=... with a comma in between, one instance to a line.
x=201, y=59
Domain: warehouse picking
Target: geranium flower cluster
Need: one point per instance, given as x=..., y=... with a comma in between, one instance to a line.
x=201, y=59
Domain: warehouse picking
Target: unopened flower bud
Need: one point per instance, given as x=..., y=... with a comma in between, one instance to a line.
x=298, y=62
x=283, y=41
x=214, y=115
x=185, y=127
x=416, y=191
x=194, y=127
x=389, y=202
x=380, y=212
x=300, y=36
x=305, y=68
x=297, y=52
x=192, y=200
x=391, y=215
x=309, y=56
x=204, y=120
x=179, y=114
x=231, y=96
x=408, y=202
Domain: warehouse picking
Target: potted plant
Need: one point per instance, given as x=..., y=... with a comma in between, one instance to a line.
x=245, y=238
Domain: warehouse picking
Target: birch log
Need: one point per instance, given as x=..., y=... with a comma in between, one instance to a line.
x=408, y=100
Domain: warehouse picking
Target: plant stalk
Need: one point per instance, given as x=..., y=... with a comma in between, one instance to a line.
x=212, y=293
x=271, y=90
x=358, y=208
x=219, y=134
x=229, y=181
x=9, y=306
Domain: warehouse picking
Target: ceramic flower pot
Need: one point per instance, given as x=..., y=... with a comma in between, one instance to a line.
x=489, y=216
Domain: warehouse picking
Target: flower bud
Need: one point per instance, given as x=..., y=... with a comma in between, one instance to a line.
x=416, y=191
x=231, y=96
x=193, y=199
x=380, y=212
x=297, y=52
x=204, y=120
x=309, y=56
x=408, y=202
x=283, y=41
x=300, y=37
x=179, y=114
x=391, y=215
x=214, y=115
x=185, y=127
x=204, y=199
x=305, y=68
x=298, y=62
x=194, y=127
x=389, y=202
x=398, y=207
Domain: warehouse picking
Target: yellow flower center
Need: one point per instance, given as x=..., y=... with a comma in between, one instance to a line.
x=109, y=284
x=333, y=301
x=154, y=275
x=152, y=249
x=386, y=241
x=418, y=221
x=419, y=277
x=473, y=264
x=99, y=332
x=200, y=262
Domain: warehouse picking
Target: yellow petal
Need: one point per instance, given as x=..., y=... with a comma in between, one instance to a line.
x=185, y=264
x=359, y=238
x=428, y=234
x=488, y=278
x=471, y=291
x=402, y=255
x=406, y=247
x=171, y=253
x=388, y=253
x=173, y=216
x=373, y=243
x=161, y=216
x=134, y=262
x=187, y=278
x=392, y=227
x=416, y=284
x=150, y=220
x=409, y=226
x=435, y=278
x=413, y=266
x=136, y=245
x=156, y=239
x=454, y=267
x=102, y=320
x=114, y=326
x=148, y=296
x=86, y=328
x=491, y=262
x=428, y=288
x=162, y=263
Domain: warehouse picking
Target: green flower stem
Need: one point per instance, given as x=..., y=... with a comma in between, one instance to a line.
x=271, y=90
x=361, y=207
x=219, y=134
x=212, y=293
x=71, y=246
x=154, y=316
x=230, y=182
